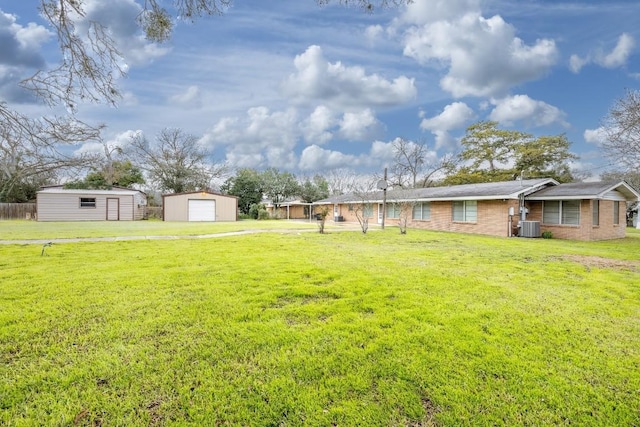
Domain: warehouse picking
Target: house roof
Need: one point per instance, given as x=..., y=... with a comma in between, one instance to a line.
x=484, y=191
x=199, y=192
x=114, y=192
x=587, y=190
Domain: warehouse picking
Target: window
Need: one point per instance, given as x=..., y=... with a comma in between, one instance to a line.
x=422, y=211
x=368, y=210
x=596, y=212
x=565, y=212
x=393, y=210
x=616, y=213
x=87, y=202
x=465, y=211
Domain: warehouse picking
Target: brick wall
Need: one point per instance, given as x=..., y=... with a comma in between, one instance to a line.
x=493, y=218
x=586, y=230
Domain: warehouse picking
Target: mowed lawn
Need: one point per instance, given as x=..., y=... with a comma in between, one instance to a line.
x=303, y=329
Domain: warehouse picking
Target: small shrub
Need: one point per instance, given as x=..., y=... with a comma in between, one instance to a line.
x=547, y=235
x=258, y=211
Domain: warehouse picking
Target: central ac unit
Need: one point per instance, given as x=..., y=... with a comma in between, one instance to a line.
x=529, y=228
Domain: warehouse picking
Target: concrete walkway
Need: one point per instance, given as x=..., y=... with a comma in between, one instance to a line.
x=200, y=236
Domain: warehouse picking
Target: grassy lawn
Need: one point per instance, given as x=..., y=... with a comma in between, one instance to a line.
x=318, y=330
x=25, y=230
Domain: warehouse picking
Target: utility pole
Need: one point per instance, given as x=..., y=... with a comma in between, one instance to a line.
x=382, y=185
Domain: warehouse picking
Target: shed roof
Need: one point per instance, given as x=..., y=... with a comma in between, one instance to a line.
x=483, y=191
x=116, y=192
x=586, y=190
x=199, y=192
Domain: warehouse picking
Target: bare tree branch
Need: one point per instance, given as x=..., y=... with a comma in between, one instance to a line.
x=91, y=62
x=622, y=127
x=176, y=162
x=33, y=151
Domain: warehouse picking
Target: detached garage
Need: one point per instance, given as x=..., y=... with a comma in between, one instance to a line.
x=59, y=204
x=199, y=206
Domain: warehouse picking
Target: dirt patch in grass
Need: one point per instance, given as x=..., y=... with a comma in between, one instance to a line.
x=590, y=262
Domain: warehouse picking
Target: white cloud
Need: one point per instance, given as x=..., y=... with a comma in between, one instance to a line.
x=444, y=141
x=595, y=136
x=343, y=87
x=20, y=45
x=120, y=16
x=261, y=139
x=421, y=12
x=373, y=32
x=483, y=55
x=618, y=56
x=576, y=63
x=191, y=98
x=359, y=126
x=317, y=127
x=119, y=141
x=515, y=108
x=314, y=158
x=453, y=116
x=382, y=151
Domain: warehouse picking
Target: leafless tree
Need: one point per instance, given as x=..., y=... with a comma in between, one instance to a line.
x=622, y=127
x=409, y=158
x=441, y=165
x=176, y=162
x=364, y=193
x=401, y=198
x=31, y=153
x=414, y=166
x=322, y=212
x=341, y=181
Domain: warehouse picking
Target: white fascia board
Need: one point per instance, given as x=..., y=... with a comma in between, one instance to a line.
x=626, y=189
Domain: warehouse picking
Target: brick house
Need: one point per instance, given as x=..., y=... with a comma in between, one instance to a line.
x=583, y=210
x=512, y=208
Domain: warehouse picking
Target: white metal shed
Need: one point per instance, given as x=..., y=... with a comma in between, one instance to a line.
x=59, y=204
x=199, y=206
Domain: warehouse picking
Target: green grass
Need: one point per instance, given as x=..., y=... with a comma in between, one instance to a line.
x=306, y=329
x=26, y=230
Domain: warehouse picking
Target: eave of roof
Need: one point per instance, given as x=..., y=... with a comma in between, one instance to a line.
x=85, y=191
x=504, y=190
x=585, y=190
x=199, y=192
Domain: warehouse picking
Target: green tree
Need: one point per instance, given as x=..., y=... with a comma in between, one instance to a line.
x=312, y=190
x=119, y=173
x=278, y=186
x=246, y=186
x=491, y=154
x=545, y=157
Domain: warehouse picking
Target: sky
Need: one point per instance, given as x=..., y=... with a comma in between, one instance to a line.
x=307, y=88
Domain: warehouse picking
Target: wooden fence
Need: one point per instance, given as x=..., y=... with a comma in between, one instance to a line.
x=17, y=211
x=154, y=212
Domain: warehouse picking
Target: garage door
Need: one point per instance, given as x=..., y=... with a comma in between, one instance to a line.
x=202, y=210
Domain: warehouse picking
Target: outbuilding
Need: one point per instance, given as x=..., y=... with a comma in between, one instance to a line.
x=199, y=206
x=118, y=204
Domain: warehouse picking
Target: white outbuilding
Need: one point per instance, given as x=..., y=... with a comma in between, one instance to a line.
x=199, y=206
x=118, y=204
